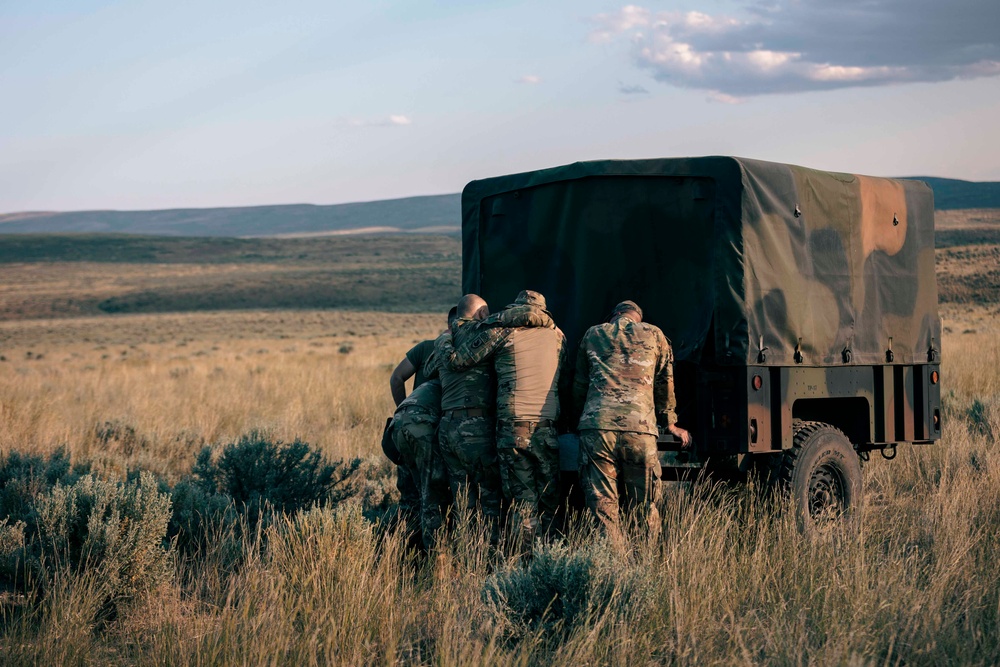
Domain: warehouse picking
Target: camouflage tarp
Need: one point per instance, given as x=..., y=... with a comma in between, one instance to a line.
x=777, y=256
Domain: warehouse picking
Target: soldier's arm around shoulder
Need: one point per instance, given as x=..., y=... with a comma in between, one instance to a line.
x=477, y=347
x=442, y=350
x=443, y=344
x=519, y=316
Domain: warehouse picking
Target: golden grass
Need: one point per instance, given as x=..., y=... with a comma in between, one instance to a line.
x=731, y=581
x=184, y=380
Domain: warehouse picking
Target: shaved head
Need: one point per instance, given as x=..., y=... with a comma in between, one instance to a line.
x=470, y=304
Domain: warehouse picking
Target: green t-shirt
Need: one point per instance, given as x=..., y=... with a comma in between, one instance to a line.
x=418, y=356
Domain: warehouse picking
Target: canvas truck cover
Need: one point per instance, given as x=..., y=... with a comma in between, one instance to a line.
x=738, y=261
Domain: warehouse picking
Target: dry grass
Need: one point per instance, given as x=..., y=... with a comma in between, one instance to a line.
x=180, y=381
x=58, y=276
x=729, y=582
x=967, y=227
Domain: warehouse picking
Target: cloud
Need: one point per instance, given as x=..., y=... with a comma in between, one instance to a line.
x=723, y=98
x=611, y=25
x=632, y=89
x=394, y=119
x=531, y=79
x=789, y=46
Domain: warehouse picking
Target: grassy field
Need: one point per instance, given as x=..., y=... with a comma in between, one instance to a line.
x=69, y=276
x=729, y=582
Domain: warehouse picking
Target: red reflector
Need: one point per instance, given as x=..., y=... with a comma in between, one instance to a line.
x=758, y=382
x=934, y=377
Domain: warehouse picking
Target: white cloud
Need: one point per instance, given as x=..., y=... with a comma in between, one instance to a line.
x=531, y=79
x=393, y=119
x=803, y=45
x=627, y=19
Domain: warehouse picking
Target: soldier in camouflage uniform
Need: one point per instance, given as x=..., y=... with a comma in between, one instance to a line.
x=421, y=477
x=527, y=358
x=467, y=434
x=623, y=383
x=420, y=363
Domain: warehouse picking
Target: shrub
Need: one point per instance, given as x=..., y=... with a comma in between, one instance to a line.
x=197, y=513
x=374, y=488
x=120, y=434
x=113, y=532
x=24, y=478
x=114, y=528
x=561, y=589
x=980, y=421
x=11, y=550
x=257, y=473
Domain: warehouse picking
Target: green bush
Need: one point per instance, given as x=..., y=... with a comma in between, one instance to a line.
x=258, y=473
x=11, y=551
x=197, y=513
x=114, y=532
x=562, y=589
x=24, y=478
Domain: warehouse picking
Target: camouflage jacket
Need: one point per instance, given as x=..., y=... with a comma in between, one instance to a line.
x=528, y=352
x=624, y=377
x=432, y=364
x=426, y=398
x=473, y=387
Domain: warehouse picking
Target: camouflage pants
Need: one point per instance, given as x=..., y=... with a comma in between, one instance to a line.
x=415, y=435
x=529, y=474
x=469, y=452
x=407, y=482
x=620, y=469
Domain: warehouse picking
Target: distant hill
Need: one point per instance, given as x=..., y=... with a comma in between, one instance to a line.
x=435, y=213
x=951, y=194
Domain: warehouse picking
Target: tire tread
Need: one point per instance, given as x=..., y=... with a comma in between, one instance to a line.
x=782, y=466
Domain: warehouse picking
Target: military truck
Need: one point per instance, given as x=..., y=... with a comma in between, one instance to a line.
x=801, y=304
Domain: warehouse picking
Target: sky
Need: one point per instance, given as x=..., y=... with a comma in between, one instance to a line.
x=149, y=104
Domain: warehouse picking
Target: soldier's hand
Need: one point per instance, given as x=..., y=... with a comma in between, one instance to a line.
x=682, y=434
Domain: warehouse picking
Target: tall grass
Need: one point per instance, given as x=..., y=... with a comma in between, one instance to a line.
x=729, y=581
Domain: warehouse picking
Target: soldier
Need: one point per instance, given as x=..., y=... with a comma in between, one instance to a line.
x=420, y=364
x=527, y=359
x=414, y=365
x=420, y=475
x=467, y=434
x=623, y=383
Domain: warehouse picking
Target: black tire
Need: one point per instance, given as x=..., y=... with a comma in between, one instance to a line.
x=821, y=474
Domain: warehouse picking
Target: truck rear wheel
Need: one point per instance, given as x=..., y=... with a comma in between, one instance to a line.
x=822, y=475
